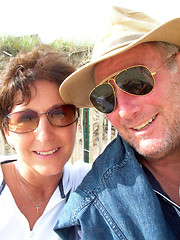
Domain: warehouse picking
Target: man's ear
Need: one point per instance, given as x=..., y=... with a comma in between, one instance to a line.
x=178, y=60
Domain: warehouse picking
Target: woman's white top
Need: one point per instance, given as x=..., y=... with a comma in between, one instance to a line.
x=14, y=225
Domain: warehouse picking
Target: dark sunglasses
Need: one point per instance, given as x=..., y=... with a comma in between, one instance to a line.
x=137, y=80
x=27, y=121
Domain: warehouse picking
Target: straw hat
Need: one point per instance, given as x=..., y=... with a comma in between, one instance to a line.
x=126, y=29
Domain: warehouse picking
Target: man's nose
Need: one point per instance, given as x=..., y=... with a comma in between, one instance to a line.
x=127, y=104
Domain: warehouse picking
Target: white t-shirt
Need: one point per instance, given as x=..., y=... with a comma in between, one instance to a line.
x=14, y=225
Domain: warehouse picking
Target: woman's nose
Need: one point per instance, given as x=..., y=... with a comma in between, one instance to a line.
x=45, y=130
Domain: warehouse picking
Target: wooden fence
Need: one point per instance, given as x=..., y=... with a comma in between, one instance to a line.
x=94, y=132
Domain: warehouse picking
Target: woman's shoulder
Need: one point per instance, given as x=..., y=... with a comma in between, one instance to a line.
x=79, y=168
x=74, y=173
x=4, y=161
x=7, y=158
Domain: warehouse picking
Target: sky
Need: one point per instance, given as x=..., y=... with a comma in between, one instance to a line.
x=71, y=19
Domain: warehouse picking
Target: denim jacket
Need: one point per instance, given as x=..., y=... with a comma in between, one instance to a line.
x=114, y=201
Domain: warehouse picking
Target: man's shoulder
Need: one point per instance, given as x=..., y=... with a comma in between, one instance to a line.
x=112, y=159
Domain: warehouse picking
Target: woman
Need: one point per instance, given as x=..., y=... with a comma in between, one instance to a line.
x=41, y=128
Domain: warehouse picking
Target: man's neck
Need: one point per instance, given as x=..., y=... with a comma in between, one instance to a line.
x=167, y=173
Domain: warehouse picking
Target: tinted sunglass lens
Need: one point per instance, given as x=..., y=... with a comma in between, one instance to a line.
x=102, y=98
x=63, y=115
x=27, y=121
x=22, y=122
x=136, y=80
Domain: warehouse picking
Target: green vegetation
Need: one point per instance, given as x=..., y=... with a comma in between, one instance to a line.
x=69, y=46
x=12, y=45
x=77, y=52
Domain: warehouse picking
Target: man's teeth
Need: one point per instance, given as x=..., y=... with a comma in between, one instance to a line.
x=47, y=153
x=145, y=124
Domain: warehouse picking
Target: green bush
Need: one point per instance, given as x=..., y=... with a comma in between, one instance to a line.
x=12, y=45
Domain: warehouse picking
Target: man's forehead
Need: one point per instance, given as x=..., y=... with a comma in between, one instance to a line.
x=115, y=63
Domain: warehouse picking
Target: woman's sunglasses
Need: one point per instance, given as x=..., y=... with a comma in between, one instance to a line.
x=137, y=80
x=27, y=121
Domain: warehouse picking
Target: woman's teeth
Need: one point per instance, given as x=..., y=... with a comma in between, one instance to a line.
x=47, y=153
x=145, y=124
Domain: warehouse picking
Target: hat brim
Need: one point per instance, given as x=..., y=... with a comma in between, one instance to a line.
x=76, y=88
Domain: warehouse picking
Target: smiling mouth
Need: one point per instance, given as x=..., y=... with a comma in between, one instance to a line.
x=48, y=153
x=145, y=124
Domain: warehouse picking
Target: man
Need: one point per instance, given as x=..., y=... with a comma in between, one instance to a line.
x=132, y=191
